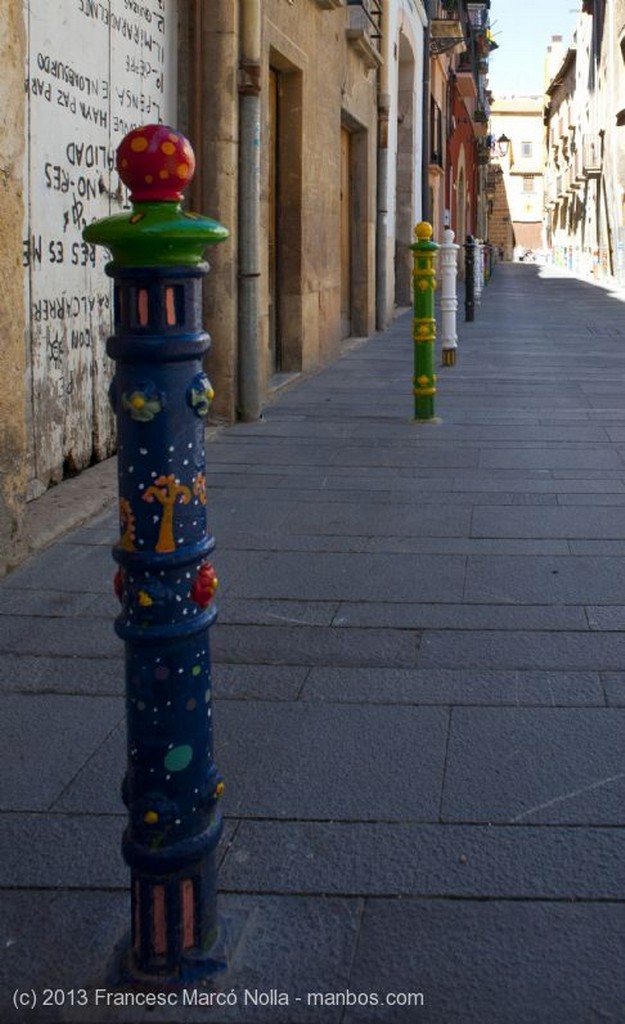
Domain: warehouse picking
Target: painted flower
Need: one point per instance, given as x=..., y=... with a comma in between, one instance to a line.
x=143, y=404
x=200, y=395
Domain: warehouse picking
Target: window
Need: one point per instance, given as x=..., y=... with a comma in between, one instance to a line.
x=436, y=133
x=528, y=183
x=527, y=150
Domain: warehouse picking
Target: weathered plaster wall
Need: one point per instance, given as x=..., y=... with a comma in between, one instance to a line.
x=94, y=70
x=335, y=90
x=12, y=350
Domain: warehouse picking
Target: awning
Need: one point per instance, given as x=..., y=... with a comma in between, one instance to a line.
x=528, y=234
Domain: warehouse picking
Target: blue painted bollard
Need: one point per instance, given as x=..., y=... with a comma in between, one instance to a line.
x=165, y=580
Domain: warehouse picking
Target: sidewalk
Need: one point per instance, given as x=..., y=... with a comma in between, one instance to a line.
x=419, y=671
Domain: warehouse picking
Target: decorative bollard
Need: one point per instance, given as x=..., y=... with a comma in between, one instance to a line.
x=449, y=298
x=424, y=322
x=165, y=581
x=469, y=279
x=478, y=270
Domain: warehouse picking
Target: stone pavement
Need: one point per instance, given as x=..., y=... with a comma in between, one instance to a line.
x=420, y=683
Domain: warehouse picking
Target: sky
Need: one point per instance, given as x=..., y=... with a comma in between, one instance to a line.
x=523, y=32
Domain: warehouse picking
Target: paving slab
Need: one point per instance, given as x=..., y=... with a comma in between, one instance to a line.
x=578, y=579
x=323, y=761
x=586, y=523
x=322, y=576
x=428, y=861
x=532, y=765
x=522, y=649
x=40, y=673
x=495, y=961
x=463, y=686
x=318, y=645
x=47, y=741
x=475, y=616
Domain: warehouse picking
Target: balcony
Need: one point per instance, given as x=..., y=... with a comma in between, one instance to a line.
x=364, y=30
x=478, y=15
x=465, y=78
x=592, y=149
x=446, y=36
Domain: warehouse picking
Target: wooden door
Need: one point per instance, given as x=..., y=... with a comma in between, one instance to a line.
x=346, y=235
x=273, y=218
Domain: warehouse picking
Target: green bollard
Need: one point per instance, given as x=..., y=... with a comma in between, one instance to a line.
x=424, y=322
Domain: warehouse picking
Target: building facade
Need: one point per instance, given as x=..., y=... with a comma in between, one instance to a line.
x=323, y=131
x=517, y=175
x=585, y=147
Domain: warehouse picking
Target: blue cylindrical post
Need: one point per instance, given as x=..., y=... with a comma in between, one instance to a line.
x=165, y=580
x=469, y=279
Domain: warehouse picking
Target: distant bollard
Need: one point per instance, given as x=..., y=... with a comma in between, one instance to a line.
x=165, y=581
x=469, y=279
x=478, y=271
x=449, y=299
x=488, y=253
x=424, y=322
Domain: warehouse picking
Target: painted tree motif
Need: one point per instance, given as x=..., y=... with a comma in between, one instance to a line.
x=127, y=524
x=199, y=488
x=167, y=490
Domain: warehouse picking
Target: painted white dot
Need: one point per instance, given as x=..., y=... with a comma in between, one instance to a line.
x=190, y=445
x=143, y=451
x=185, y=462
x=155, y=519
x=178, y=598
x=180, y=671
x=141, y=487
x=153, y=475
x=131, y=469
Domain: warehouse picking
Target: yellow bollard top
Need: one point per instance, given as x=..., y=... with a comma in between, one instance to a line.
x=423, y=231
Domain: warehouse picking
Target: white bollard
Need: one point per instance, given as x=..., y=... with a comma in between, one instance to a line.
x=478, y=268
x=448, y=266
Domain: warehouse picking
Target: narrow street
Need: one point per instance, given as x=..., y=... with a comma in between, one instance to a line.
x=419, y=681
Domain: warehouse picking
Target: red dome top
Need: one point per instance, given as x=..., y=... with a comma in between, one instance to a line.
x=156, y=163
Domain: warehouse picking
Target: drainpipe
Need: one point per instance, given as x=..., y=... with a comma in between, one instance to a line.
x=249, y=211
x=384, y=105
x=426, y=213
